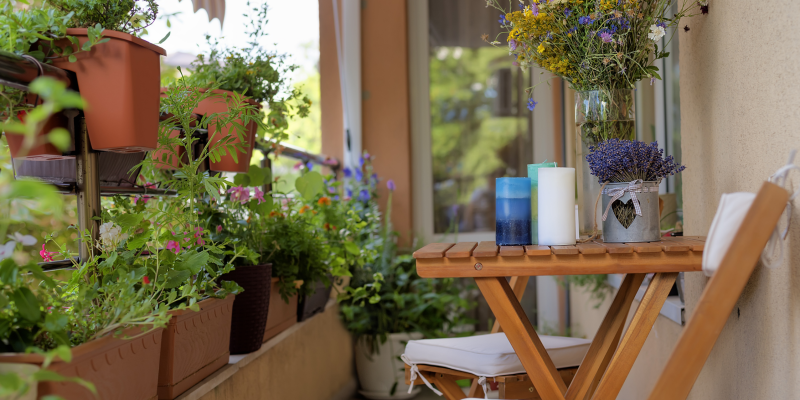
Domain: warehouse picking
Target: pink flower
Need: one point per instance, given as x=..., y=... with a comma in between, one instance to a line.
x=198, y=232
x=219, y=228
x=174, y=246
x=47, y=256
x=298, y=165
x=240, y=194
x=259, y=196
x=146, y=280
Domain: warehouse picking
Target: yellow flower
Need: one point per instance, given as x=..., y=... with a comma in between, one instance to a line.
x=540, y=49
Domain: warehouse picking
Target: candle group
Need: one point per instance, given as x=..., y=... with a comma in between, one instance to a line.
x=513, y=212
x=533, y=175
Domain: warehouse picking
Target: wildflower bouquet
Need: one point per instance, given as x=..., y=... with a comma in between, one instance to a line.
x=605, y=46
x=630, y=160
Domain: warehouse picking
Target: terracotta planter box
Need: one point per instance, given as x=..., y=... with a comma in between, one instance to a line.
x=121, y=369
x=42, y=152
x=195, y=344
x=281, y=316
x=217, y=104
x=120, y=81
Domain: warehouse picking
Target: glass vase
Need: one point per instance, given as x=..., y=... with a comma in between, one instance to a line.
x=600, y=115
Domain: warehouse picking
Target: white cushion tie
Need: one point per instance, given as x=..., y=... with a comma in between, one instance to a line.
x=414, y=373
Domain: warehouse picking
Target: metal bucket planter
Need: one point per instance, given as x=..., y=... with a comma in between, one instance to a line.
x=622, y=222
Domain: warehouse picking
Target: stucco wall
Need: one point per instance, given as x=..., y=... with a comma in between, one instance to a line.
x=740, y=108
x=740, y=103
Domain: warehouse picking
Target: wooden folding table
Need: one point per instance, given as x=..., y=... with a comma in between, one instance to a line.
x=611, y=355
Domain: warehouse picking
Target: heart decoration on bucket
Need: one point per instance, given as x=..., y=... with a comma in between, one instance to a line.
x=625, y=212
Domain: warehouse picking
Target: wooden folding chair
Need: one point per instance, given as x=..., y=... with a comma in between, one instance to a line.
x=517, y=386
x=720, y=295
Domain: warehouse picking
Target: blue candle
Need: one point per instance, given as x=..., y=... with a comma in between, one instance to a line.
x=533, y=174
x=513, y=211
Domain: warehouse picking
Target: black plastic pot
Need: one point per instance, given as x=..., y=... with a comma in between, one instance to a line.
x=251, y=307
x=315, y=303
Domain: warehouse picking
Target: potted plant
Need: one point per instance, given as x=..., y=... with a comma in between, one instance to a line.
x=387, y=303
x=35, y=32
x=119, y=76
x=630, y=172
x=602, y=51
x=258, y=74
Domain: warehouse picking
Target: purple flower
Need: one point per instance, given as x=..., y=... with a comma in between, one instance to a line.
x=331, y=190
x=618, y=160
x=585, y=20
x=567, y=12
x=348, y=194
x=390, y=185
x=531, y=104
x=336, y=197
x=606, y=37
x=309, y=165
x=512, y=44
x=363, y=195
x=662, y=24
x=359, y=175
x=348, y=173
x=535, y=9
x=502, y=20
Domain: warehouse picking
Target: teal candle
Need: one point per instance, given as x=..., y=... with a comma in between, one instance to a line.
x=533, y=174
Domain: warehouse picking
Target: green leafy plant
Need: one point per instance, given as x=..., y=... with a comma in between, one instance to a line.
x=129, y=16
x=255, y=72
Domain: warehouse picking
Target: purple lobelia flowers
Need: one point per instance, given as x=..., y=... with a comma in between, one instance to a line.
x=618, y=160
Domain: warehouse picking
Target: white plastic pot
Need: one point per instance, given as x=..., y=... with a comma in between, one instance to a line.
x=378, y=373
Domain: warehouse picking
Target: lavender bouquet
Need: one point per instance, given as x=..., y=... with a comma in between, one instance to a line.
x=617, y=160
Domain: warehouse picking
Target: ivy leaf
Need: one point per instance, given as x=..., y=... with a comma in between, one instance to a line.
x=309, y=185
x=193, y=262
x=129, y=220
x=26, y=303
x=176, y=278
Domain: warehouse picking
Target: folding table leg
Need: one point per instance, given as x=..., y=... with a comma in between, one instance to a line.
x=606, y=340
x=523, y=337
x=635, y=336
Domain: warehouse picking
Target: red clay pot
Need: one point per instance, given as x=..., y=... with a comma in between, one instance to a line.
x=217, y=104
x=281, y=316
x=120, y=81
x=121, y=369
x=42, y=152
x=195, y=345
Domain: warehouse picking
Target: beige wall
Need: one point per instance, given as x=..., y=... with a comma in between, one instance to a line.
x=740, y=103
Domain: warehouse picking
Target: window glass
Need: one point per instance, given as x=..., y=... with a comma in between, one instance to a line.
x=480, y=126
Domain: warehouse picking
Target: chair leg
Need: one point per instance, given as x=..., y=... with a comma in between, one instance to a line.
x=475, y=390
x=448, y=386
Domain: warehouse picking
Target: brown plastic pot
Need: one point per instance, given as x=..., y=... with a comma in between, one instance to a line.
x=251, y=308
x=281, y=315
x=195, y=345
x=219, y=104
x=314, y=303
x=120, y=369
x=42, y=152
x=120, y=81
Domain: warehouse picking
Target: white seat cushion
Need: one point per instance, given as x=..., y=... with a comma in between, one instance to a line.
x=491, y=355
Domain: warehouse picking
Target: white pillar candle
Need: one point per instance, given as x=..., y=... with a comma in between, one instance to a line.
x=556, y=206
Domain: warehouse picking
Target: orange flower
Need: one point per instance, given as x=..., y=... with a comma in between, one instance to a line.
x=324, y=201
x=304, y=209
x=275, y=214
x=326, y=226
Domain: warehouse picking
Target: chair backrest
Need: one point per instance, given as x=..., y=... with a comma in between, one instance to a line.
x=720, y=295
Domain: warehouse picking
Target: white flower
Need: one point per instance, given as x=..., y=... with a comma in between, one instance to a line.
x=111, y=234
x=703, y=2
x=26, y=240
x=6, y=250
x=656, y=33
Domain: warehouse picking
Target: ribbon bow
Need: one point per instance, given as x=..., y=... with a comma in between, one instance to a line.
x=414, y=373
x=632, y=188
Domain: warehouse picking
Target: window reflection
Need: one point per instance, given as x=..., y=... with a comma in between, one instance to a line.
x=480, y=127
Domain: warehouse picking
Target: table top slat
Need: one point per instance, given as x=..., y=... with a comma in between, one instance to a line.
x=615, y=248
x=537, y=250
x=646, y=247
x=485, y=249
x=564, y=250
x=590, y=248
x=697, y=243
x=511, y=251
x=673, y=244
x=433, y=250
x=461, y=250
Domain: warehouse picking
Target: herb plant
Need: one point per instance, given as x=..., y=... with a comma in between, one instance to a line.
x=129, y=16
x=618, y=160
